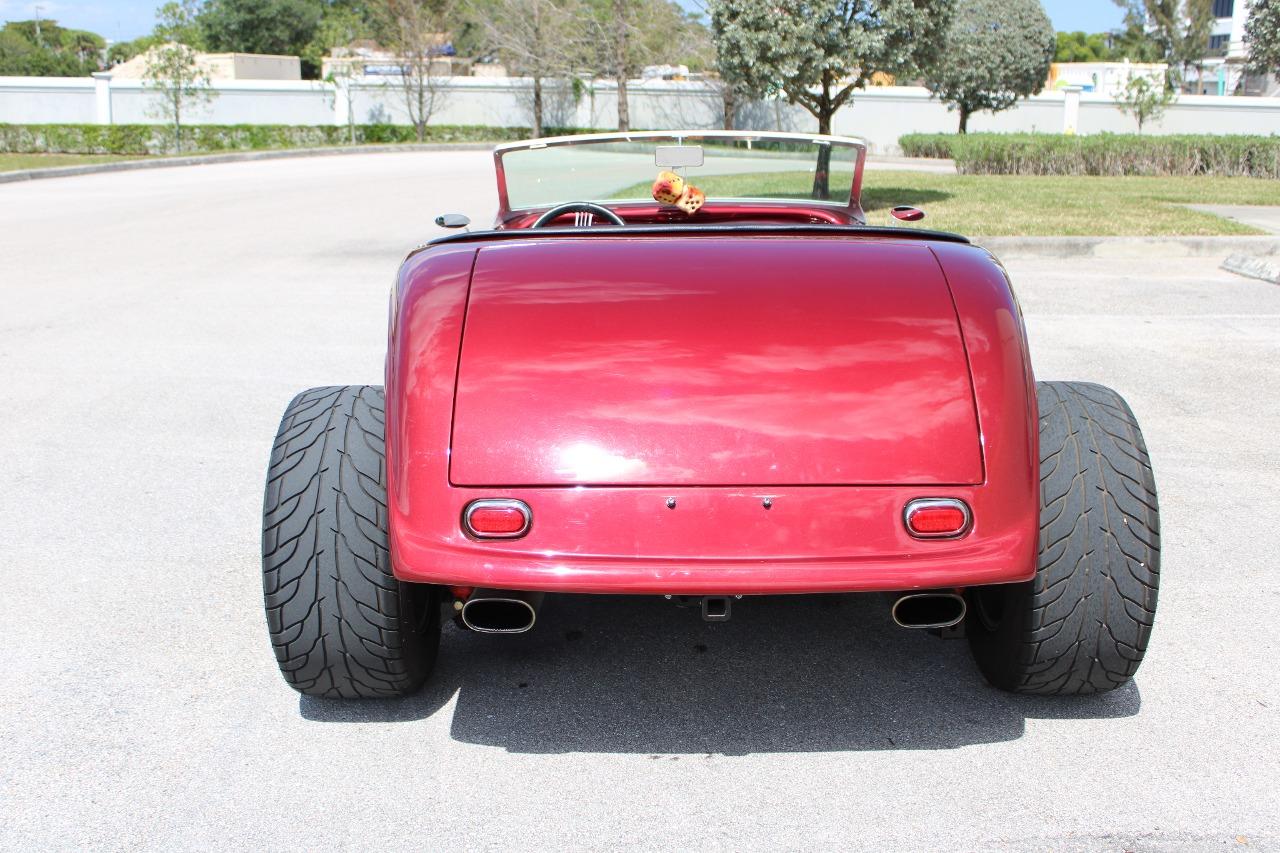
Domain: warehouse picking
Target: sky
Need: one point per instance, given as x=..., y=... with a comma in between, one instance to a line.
x=121, y=20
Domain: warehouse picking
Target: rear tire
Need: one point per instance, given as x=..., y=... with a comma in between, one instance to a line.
x=342, y=626
x=1082, y=625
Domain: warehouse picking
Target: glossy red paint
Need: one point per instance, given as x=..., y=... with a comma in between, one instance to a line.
x=718, y=539
x=816, y=362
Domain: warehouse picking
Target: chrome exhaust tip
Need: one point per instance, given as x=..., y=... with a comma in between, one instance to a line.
x=929, y=610
x=501, y=611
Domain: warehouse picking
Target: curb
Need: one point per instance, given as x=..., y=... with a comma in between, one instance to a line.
x=233, y=157
x=1254, y=266
x=1128, y=247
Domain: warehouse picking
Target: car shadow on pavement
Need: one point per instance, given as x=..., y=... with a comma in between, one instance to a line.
x=786, y=674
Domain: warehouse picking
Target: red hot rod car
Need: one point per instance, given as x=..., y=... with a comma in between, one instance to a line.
x=681, y=364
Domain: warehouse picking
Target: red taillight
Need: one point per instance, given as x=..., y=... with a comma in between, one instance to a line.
x=936, y=518
x=497, y=518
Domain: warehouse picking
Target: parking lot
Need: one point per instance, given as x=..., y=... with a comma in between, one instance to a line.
x=153, y=326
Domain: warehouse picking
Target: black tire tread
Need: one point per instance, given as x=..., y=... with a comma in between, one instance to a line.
x=341, y=625
x=1083, y=624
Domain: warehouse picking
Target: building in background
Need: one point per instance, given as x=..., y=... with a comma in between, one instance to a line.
x=223, y=66
x=366, y=58
x=1222, y=71
x=1105, y=78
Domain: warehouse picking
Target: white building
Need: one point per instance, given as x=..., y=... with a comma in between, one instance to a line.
x=1104, y=78
x=222, y=66
x=1223, y=67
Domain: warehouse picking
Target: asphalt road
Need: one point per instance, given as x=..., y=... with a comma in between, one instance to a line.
x=153, y=326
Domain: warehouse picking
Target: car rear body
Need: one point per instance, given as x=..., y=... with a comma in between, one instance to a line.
x=691, y=411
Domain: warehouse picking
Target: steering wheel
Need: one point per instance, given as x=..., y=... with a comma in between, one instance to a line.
x=578, y=207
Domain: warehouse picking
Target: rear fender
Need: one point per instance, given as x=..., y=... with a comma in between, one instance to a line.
x=995, y=339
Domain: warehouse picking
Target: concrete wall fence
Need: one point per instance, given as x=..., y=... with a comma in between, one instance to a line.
x=879, y=115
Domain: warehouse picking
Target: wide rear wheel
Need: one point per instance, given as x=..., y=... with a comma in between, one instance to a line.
x=1082, y=625
x=341, y=625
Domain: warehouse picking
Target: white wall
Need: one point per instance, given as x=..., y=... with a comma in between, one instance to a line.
x=237, y=102
x=880, y=115
x=47, y=100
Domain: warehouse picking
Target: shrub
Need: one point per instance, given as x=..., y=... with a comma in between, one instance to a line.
x=1101, y=154
x=156, y=139
x=928, y=144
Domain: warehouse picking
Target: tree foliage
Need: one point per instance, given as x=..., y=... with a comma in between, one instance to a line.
x=414, y=31
x=539, y=39
x=816, y=53
x=41, y=48
x=1080, y=46
x=1262, y=36
x=260, y=26
x=996, y=52
x=1144, y=99
x=123, y=51
x=630, y=34
x=341, y=24
x=1178, y=29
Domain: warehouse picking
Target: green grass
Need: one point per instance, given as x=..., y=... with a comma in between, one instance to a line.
x=11, y=162
x=1019, y=205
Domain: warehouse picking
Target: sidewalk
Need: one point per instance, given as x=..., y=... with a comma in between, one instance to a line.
x=1264, y=217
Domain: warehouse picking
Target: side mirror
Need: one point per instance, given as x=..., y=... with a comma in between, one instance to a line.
x=452, y=220
x=907, y=213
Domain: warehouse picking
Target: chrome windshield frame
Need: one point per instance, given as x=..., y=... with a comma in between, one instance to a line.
x=860, y=147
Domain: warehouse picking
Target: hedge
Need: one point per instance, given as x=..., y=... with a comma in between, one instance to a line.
x=199, y=138
x=1100, y=154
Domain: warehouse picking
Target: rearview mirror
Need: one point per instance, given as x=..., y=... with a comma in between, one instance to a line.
x=677, y=156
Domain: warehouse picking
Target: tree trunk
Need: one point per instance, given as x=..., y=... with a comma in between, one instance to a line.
x=624, y=110
x=537, y=106
x=730, y=106
x=964, y=120
x=420, y=121
x=620, y=62
x=822, y=173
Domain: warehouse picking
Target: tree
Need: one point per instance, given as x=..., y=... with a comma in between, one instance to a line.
x=1082, y=47
x=339, y=28
x=619, y=55
x=1134, y=43
x=172, y=69
x=818, y=52
x=1262, y=36
x=416, y=31
x=1179, y=28
x=261, y=26
x=730, y=89
x=340, y=25
x=41, y=48
x=538, y=39
x=997, y=51
x=1144, y=100
x=630, y=34
x=123, y=51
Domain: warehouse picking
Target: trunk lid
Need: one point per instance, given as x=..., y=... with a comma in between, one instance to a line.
x=731, y=361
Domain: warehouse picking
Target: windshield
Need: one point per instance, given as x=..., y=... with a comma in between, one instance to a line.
x=723, y=165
